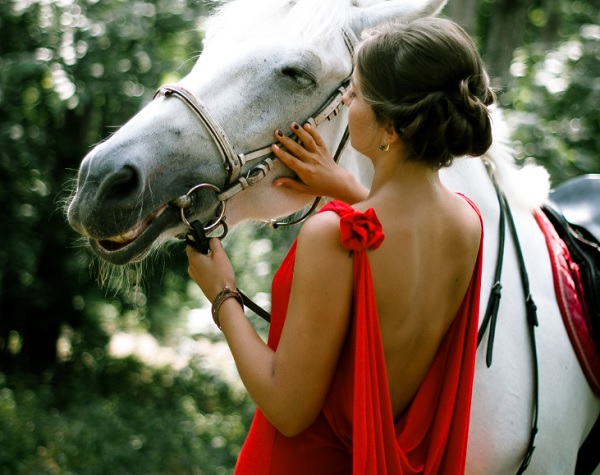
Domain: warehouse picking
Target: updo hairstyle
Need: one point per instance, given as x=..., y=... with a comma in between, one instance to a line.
x=429, y=80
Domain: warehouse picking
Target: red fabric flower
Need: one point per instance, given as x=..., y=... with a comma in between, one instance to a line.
x=361, y=231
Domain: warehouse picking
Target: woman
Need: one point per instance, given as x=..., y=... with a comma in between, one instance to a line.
x=370, y=359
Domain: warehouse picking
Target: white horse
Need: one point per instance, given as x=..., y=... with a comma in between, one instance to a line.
x=264, y=66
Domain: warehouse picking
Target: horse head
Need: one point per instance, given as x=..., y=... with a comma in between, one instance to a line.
x=261, y=68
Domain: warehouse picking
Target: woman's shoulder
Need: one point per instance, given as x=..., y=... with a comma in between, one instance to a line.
x=319, y=252
x=319, y=241
x=463, y=228
x=321, y=229
x=470, y=218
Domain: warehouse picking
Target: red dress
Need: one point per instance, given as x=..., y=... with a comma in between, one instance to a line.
x=355, y=431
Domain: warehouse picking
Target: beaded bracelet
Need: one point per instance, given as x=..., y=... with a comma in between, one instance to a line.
x=220, y=298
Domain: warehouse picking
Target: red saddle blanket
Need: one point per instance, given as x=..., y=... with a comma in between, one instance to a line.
x=569, y=295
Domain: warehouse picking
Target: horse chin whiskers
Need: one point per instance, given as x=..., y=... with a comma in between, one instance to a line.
x=117, y=278
x=127, y=277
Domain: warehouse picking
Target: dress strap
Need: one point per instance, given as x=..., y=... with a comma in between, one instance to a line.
x=359, y=230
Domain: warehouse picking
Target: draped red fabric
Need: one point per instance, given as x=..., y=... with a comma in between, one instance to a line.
x=355, y=432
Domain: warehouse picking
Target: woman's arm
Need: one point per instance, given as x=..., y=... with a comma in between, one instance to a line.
x=290, y=385
x=318, y=174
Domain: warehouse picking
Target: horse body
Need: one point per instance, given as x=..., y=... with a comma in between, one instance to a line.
x=503, y=393
x=262, y=74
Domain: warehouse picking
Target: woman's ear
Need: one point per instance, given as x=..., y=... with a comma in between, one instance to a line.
x=390, y=134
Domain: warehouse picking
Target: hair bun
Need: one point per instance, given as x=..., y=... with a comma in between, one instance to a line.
x=428, y=77
x=443, y=125
x=469, y=130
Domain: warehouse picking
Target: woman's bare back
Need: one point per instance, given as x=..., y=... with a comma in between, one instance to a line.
x=420, y=276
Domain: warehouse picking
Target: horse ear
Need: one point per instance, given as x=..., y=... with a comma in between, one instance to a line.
x=368, y=14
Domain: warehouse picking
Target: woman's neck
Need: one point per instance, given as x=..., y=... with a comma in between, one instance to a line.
x=395, y=171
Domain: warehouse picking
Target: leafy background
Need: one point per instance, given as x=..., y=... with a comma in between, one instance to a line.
x=94, y=380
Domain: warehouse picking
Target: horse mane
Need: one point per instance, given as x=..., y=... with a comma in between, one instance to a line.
x=307, y=20
x=528, y=185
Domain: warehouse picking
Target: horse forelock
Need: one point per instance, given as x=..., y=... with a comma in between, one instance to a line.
x=301, y=20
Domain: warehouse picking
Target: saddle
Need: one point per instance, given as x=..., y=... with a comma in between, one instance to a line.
x=579, y=201
x=574, y=211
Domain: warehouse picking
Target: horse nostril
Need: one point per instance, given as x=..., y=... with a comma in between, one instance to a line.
x=119, y=184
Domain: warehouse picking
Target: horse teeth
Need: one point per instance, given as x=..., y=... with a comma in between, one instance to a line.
x=132, y=233
x=138, y=228
x=128, y=236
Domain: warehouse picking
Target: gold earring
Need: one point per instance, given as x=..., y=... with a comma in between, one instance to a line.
x=384, y=148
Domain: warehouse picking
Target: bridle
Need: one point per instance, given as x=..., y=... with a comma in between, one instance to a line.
x=233, y=162
x=237, y=180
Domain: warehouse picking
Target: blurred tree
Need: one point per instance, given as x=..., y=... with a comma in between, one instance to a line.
x=68, y=72
x=500, y=26
x=554, y=97
x=544, y=56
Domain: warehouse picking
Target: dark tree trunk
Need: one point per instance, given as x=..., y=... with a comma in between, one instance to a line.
x=463, y=12
x=504, y=33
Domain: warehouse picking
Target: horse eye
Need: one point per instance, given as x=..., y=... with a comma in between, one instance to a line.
x=299, y=75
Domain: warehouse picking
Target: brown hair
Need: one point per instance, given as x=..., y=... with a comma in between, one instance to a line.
x=428, y=78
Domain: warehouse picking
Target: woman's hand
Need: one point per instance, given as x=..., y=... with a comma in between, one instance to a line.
x=318, y=174
x=213, y=271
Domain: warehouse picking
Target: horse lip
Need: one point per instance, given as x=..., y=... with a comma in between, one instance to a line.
x=137, y=241
x=134, y=232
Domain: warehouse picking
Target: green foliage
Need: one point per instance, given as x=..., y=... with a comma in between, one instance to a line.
x=70, y=73
x=554, y=102
x=121, y=417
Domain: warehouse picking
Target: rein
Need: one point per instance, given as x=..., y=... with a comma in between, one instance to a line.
x=491, y=315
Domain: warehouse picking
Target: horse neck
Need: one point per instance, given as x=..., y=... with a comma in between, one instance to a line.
x=527, y=186
x=359, y=165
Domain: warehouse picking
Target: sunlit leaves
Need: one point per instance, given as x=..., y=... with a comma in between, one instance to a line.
x=556, y=95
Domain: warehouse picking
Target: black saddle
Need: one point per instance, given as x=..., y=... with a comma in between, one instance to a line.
x=578, y=200
x=574, y=211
